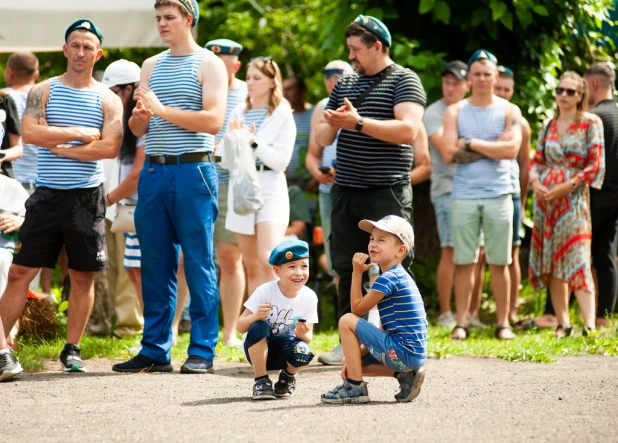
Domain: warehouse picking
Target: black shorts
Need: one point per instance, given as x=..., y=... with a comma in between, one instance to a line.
x=73, y=218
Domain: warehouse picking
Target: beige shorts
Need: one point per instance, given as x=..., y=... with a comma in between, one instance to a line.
x=221, y=234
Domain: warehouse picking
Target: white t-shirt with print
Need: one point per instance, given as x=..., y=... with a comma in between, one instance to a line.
x=283, y=309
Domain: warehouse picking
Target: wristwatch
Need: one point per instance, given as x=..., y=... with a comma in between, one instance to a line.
x=254, y=145
x=467, y=142
x=359, y=124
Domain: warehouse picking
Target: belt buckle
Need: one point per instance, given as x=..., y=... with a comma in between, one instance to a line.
x=160, y=160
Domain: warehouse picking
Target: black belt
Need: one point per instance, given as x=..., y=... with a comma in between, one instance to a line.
x=192, y=157
x=262, y=167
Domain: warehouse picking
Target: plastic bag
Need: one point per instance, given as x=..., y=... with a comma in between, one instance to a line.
x=247, y=194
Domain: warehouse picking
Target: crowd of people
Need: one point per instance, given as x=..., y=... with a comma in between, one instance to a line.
x=145, y=173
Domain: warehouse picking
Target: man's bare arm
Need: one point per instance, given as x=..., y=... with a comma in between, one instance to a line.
x=422, y=159
x=502, y=149
x=111, y=134
x=139, y=121
x=403, y=129
x=324, y=133
x=523, y=159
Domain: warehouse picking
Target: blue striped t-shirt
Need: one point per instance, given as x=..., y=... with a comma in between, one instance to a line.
x=24, y=168
x=235, y=95
x=256, y=116
x=303, y=128
x=402, y=311
x=71, y=107
x=174, y=82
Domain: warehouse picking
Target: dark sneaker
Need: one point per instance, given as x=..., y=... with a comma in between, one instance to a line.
x=263, y=390
x=197, y=365
x=285, y=386
x=347, y=393
x=71, y=359
x=9, y=366
x=140, y=363
x=410, y=384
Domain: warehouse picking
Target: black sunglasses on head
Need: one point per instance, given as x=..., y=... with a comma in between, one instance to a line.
x=332, y=72
x=570, y=92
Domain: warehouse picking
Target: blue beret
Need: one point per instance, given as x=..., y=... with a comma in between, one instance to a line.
x=287, y=251
x=505, y=70
x=193, y=8
x=375, y=26
x=481, y=54
x=86, y=25
x=224, y=46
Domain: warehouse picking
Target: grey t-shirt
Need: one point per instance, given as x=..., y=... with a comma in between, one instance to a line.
x=441, y=173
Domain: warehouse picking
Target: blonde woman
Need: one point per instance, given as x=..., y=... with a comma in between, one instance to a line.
x=569, y=158
x=268, y=116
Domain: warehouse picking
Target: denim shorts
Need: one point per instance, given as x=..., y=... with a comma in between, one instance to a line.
x=516, y=220
x=442, y=207
x=282, y=349
x=384, y=350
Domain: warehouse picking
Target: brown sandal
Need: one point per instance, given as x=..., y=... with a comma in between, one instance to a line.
x=466, y=329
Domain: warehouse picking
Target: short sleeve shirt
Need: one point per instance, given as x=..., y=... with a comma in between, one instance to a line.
x=441, y=173
x=364, y=161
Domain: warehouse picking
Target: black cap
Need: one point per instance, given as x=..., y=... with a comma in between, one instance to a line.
x=458, y=68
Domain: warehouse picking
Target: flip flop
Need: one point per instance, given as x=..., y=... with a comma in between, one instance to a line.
x=466, y=329
x=500, y=329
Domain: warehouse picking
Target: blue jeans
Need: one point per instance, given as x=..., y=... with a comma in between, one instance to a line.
x=177, y=207
x=282, y=349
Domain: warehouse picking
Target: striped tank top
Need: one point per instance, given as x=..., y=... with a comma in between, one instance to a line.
x=174, y=82
x=235, y=95
x=71, y=107
x=257, y=116
x=485, y=178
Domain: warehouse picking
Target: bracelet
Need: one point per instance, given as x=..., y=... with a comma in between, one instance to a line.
x=108, y=200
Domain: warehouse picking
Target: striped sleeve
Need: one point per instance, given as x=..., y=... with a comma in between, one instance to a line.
x=410, y=89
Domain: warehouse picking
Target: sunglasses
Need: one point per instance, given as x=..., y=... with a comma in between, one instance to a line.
x=570, y=92
x=332, y=73
x=263, y=59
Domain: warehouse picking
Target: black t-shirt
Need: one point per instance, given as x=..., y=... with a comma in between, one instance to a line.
x=607, y=196
x=10, y=121
x=364, y=161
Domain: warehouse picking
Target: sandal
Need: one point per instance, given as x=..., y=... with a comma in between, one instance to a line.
x=346, y=393
x=508, y=336
x=588, y=331
x=455, y=336
x=563, y=331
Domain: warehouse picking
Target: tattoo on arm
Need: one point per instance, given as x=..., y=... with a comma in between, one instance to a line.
x=113, y=118
x=34, y=103
x=465, y=156
x=516, y=121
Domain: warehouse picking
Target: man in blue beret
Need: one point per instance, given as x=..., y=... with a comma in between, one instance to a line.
x=232, y=279
x=505, y=87
x=180, y=107
x=278, y=320
x=482, y=135
x=76, y=122
x=374, y=146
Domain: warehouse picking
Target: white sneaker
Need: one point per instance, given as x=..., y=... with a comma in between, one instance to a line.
x=474, y=322
x=332, y=358
x=447, y=319
x=233, y=342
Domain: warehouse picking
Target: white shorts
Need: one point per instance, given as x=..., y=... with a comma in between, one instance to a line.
x=276, y=205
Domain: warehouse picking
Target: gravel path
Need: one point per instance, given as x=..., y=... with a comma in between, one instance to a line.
x=463, y=399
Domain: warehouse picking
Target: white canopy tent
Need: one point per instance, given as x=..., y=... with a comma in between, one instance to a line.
x=39, y=25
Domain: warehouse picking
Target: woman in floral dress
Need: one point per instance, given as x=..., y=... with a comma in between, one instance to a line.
x=569, y=157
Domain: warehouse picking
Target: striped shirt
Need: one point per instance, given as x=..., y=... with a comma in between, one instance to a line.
x=364, y=161
x=486, y=178
x=24, y=168
x=71, y=107
x=303, y=128
x=235, y=95
x=174, y=82
x=256, y=116
x=402, y=311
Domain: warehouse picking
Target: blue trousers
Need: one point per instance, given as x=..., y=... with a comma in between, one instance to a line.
x=177, y=207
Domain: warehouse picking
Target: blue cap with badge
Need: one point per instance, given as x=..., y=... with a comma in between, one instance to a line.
x=482, y=54
x=224, y=46
x=86, y=25
x=288, y=251
x=504, y=70
x=374, y=26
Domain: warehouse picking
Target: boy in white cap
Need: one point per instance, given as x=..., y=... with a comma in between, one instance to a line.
x=400, y=349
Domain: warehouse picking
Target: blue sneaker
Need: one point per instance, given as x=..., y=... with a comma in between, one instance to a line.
x=197, y=365
x=410, y=384
x=347, y=393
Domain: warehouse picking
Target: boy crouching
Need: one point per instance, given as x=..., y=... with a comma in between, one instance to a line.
x=278, y=321
x=399, y=349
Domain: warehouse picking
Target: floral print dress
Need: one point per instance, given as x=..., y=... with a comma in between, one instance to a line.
x=561, y=236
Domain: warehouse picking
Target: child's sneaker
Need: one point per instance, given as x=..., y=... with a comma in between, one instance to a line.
x=410, y=384
x=347, y=393
x=263, y=389
x=286, y=385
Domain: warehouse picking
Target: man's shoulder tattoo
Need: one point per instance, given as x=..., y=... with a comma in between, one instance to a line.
x=35, y=107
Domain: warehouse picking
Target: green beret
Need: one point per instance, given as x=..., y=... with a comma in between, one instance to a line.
x=375, y=26
x=224, y=46
x=481, y=54
x=86, y=25
x=288, y=251
x=505, y=70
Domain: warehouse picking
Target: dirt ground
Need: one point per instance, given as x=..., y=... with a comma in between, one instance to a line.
x=463, y=399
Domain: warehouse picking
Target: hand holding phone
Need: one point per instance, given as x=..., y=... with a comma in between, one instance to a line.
x=325, y=169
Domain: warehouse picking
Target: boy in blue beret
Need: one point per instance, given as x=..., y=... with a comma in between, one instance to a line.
x=278, y=321
x=398, y=350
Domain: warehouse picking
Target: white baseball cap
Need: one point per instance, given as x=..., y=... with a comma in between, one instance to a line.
x=121, y=72
x=393, y=224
